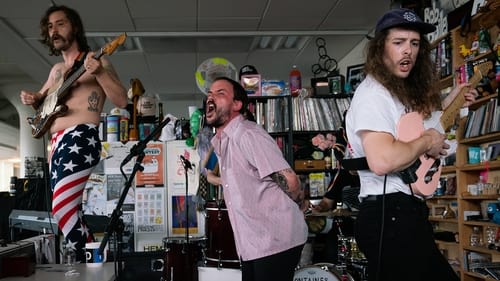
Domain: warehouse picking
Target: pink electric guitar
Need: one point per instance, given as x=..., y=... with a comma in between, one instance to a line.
x=411, y=126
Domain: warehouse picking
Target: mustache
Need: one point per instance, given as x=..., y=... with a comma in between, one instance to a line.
x=56, y=36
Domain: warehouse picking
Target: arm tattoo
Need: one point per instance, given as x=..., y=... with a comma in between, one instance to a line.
x=93, y=102
x=280, y=179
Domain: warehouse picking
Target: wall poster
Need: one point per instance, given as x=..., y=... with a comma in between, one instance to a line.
x=153, y=172
x=150, y=210
x=178, y=220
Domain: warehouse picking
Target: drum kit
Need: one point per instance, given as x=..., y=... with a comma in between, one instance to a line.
x=217, y=249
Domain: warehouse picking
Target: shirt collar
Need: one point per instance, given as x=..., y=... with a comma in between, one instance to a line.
x=232, y=127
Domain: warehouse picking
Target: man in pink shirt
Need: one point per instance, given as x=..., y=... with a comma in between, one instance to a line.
x=262, y=193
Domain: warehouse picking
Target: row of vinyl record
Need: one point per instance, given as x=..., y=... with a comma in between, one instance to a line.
x=309, y=114
x=483, y=120
x=319, y=114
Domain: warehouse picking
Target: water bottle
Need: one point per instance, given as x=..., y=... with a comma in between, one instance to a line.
x=69, y=255
x=475, y=237
x=480, y=185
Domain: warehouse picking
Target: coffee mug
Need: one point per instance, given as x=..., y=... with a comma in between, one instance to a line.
x=92, y=256
x=474, y=155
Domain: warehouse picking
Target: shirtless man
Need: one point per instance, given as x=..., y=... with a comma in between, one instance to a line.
x=75, y=140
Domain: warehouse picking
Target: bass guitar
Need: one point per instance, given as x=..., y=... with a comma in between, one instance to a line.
x=53, y=105
x=427, y=170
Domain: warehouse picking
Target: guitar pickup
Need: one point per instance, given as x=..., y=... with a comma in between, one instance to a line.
x=432, y=170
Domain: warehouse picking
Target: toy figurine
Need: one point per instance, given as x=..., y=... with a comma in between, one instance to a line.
x=464, y=51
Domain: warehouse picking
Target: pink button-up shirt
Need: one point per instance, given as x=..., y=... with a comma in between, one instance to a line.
x=264, y=219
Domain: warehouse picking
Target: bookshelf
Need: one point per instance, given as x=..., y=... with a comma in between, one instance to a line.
x=293, y=122
x=472, y=206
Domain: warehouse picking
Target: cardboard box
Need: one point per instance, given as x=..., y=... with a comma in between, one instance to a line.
x=273, y=88
x=306, y=164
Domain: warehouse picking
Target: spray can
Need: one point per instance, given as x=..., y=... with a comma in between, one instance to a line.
x=123, y=129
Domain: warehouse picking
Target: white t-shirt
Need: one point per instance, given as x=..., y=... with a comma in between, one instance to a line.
x=373, y=108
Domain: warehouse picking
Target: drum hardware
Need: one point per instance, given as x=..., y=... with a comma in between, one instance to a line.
x=321, y=271
x=354, y=253
x=351, y=258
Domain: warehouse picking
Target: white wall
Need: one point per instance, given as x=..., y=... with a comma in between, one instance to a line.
x=356, y=56
x=180, y=108
x=9, y=144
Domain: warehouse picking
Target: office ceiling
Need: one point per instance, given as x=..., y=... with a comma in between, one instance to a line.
x=168, y=40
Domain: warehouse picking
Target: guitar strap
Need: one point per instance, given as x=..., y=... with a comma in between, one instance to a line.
x=78, y=63
x=355, y=164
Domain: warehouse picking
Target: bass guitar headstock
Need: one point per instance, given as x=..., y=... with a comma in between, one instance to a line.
x=109, y=48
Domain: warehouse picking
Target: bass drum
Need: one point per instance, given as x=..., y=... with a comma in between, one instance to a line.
x=321, y=271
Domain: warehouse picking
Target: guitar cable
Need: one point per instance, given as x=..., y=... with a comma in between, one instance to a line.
x=48, y=191
x=381, y=238
x=382, y=226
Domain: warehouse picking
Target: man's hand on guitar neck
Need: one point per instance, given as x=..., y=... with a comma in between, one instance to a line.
x=469, y=93
x=92, y=65
x=31, y=98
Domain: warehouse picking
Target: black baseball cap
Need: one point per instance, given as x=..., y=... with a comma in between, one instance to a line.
x=248, y=69
x=402, y=17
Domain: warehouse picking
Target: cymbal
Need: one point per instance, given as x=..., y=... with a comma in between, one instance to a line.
x=334, y=213
x=342, y=213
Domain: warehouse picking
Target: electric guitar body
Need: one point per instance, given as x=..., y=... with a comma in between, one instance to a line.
x=411, y=126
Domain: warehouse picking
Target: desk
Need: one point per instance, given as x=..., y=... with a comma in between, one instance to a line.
x=52, y=272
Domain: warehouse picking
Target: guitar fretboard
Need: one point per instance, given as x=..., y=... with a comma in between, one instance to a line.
x=73, y=77
x=450, y=113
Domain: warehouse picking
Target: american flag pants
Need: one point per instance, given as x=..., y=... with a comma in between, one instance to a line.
x=75, y=152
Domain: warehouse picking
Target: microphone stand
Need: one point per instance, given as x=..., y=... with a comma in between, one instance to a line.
x=136, y=150
x=187, y=250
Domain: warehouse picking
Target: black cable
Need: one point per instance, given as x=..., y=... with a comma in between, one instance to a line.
x=46, y=180
x=48, y=199
x=381, y=238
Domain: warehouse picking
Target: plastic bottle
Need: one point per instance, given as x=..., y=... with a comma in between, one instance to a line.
x=475, y=237
x=295, y=81
x=69, y=255
x=480, y=185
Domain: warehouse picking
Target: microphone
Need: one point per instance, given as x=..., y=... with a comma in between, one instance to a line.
x=141, y=145
x=186, y=163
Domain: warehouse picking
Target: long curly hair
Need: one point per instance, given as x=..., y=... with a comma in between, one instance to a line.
x=419, y=91
x=76, y=23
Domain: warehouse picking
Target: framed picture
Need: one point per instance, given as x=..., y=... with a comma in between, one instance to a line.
x=355, y=75
x=336, y=84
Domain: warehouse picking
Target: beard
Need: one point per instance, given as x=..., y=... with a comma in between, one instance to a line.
x=219, y=119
